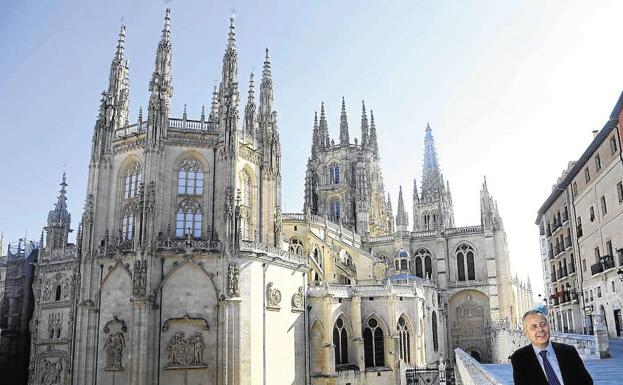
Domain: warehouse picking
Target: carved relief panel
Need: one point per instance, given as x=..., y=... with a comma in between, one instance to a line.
x=273, y=297
x=186, y=345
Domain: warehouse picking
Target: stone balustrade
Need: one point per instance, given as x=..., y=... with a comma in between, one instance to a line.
x=471, y=372
x=368, y=290
x=585, y=344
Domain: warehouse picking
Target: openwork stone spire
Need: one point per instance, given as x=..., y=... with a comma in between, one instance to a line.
x=161, y=87
x=344, y=140
x=315, y=135
x=364, y=125
x=373, y=140
x=402, y=221
x=431, y=176
x=59, y=220
x=229, y=95
x=324, y=128
x=250, y=111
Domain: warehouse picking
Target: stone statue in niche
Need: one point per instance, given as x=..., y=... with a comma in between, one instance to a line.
x=273, y=297
x=233, y=289
x=185, y=352
x=115, y=343
x=139, y=283
x=50, y=372
x=114, y=351
x=297, y=300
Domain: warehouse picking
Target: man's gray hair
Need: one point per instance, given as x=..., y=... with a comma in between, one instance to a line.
x=532, y=312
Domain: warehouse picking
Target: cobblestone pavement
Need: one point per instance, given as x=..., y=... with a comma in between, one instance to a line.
x=605, y=372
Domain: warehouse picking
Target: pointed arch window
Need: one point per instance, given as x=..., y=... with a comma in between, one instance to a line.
x=131, y=180
x=434, y=328
x=423, y=263
x=318, y=257
x=405, y=340
x=335, y=211
x=373, y=344
x=188, y=219
x=465, y=253
x=340, y=341
x=334, y=174
x=296, y=246
x=190, y=178
x=127, y=223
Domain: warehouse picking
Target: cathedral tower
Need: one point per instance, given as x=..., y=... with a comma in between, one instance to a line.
x=432, y=209
x=344, y=181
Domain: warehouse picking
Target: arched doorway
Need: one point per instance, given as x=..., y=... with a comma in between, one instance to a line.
x=475, y=355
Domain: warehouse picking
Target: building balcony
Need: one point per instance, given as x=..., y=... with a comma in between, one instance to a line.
x=605, y=263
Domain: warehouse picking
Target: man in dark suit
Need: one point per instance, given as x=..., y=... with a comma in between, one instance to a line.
x=544, y=362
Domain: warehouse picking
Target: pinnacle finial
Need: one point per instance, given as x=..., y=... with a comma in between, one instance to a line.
x=140, y=115
x=231, y=40
x=185, y=114
x=251, y=84
x=266, y=71
x=120, y=43
x=344, y=139
x=203, y=113
x=166, y=31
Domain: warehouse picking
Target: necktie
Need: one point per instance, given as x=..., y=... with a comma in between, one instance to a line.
x=549, y=371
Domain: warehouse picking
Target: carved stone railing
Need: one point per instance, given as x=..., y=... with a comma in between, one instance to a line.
x=132, y=129
x=113, y=246
x=189, y=244
x=258, y=247
x=345, y=291
x=186, y=124
x=470, y=372
x=464, y=230
x=66, y=253
x=585, y=344
x=293, y=216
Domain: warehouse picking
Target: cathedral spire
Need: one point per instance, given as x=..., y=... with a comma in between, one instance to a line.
x=59, y=220
x=161, y=87
x=364, y=125
x=324, y=128
x=373, y=141
x=402, y=220
x=266, y=90
x=229, y=95
x=118, y=86
x=249, y=111
x=315, y=135
x=344, y=140
x=431, y=176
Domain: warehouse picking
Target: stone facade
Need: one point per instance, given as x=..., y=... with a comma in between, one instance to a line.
x=185, y=270
x=588, y=294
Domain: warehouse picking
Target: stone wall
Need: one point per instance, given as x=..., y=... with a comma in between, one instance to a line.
x=470, y=372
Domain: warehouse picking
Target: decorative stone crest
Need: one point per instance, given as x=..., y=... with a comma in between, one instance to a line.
x=115, y=343
x=297, y=301
x=233, y=289
x=139, y=283
x=273, y=297
x=185, y=352
x=50, y=372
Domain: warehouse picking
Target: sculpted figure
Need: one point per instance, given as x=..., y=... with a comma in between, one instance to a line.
x=114, y=350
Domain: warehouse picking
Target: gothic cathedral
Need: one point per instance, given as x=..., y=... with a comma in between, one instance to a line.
x=185, y=270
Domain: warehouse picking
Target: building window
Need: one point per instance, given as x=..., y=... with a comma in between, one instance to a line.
x=620, y=191
x=591, y=213
x=190, y=178
x=598, y=291
x=614, y=289
x=587, y=175
x=460, y=266
x=405, y=341
x=597, y=162
x=584, y=265
x=574, y=188
x=435, y=336
x=188, y=220
x=334, y=174
x=465, y=252
x=609, y=249
x=579, y=227
x=127, y=223
x=604, y=207
x=423, y=260
x=131, y=181
x=296, y=246
x=340, y=341
x=613, y=144
x=335, y=211
x=597, y=254
x=373, y=344
x=57, y=294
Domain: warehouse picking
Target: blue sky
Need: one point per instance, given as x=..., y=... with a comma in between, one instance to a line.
x=511, y=89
